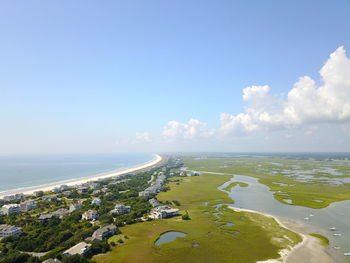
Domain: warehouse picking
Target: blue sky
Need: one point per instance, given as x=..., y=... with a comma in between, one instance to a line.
x=88, y=76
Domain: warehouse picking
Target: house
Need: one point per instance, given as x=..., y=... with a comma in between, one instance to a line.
x=93, y=185
x=46, y=217
x=154, y=202
x=11, y=209
x=96, y=201
x=104, y=232
x=90, y=215
x=49, y=198
x=121, y=209
x=79, y=249
x=96, y=192
x=38, y=193
x=75, y=206
x=60, y=189
x=105, y=189
x=161, y=212
x=59, y=213
x=82, y=190
x=28, y=205
x=52, y=260
x=67, y=193
x=14, y=197
x=7, y=230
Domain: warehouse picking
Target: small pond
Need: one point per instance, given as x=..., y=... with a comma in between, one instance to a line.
x=168, y=237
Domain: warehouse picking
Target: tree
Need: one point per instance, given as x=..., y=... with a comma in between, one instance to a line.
x=186, y=216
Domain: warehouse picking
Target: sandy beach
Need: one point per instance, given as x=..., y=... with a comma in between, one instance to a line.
x=47, y=187
x=308, y=251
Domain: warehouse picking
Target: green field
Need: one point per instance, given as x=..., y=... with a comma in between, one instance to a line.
x=316, y=190
x=252, y=237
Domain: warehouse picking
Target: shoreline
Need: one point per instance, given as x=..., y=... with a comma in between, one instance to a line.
x=47, y=187
x=309, y=246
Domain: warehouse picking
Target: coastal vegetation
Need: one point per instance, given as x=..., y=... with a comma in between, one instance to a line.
x=309, y=183
x=215, y=232
x=323, y=240
x=233, y=184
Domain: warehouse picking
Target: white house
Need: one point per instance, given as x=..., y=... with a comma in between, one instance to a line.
x=81, y=249
x=96, y=201
x=11, y=209
x=120, y=209
x=90, y=215
x=161, y=212
x=75, y=206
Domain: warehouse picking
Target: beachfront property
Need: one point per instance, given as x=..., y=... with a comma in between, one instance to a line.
x=15, y=197
x=10, y=209
x=7, y=230
x=90, y=215
x=59, y=213
x=49, y=198
x=96, y=201
x=79, y=249
x=28, y=205
x=161, y=212
x=38, y=193
x=121, y=209
x=104, y=232
x=75, y=206
x=60, y=189
x=154, y=202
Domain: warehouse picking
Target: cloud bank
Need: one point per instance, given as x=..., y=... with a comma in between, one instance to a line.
x=306, y=104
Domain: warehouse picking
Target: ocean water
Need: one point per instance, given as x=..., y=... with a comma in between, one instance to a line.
x=17, y=172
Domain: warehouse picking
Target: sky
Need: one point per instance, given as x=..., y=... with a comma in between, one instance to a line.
x=184, y=76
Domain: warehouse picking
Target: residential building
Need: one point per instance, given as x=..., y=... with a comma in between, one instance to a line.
x=79, y=249
x=28, y=205
x=38, y=193
x=104, y=232
x=82, y=190
x=11, y=209
x=161, y=212
x=96, y=201
x=15, y=197
x=75, y=206
x=60, y=189
x=96, y=192
x=154, y=202
x=93, y=185
x=49, y=198
x=7, y=230
x=90, y=215
x=59, y=213
x=121, y=209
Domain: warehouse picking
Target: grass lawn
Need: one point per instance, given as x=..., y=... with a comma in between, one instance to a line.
x=248, y=237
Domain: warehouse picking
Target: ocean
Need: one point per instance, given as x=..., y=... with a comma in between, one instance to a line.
x=22, y=171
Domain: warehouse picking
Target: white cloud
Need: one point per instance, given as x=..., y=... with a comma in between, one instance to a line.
x=143, y=137
x=306, y=102
x=306, y=105
x=189, y=130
